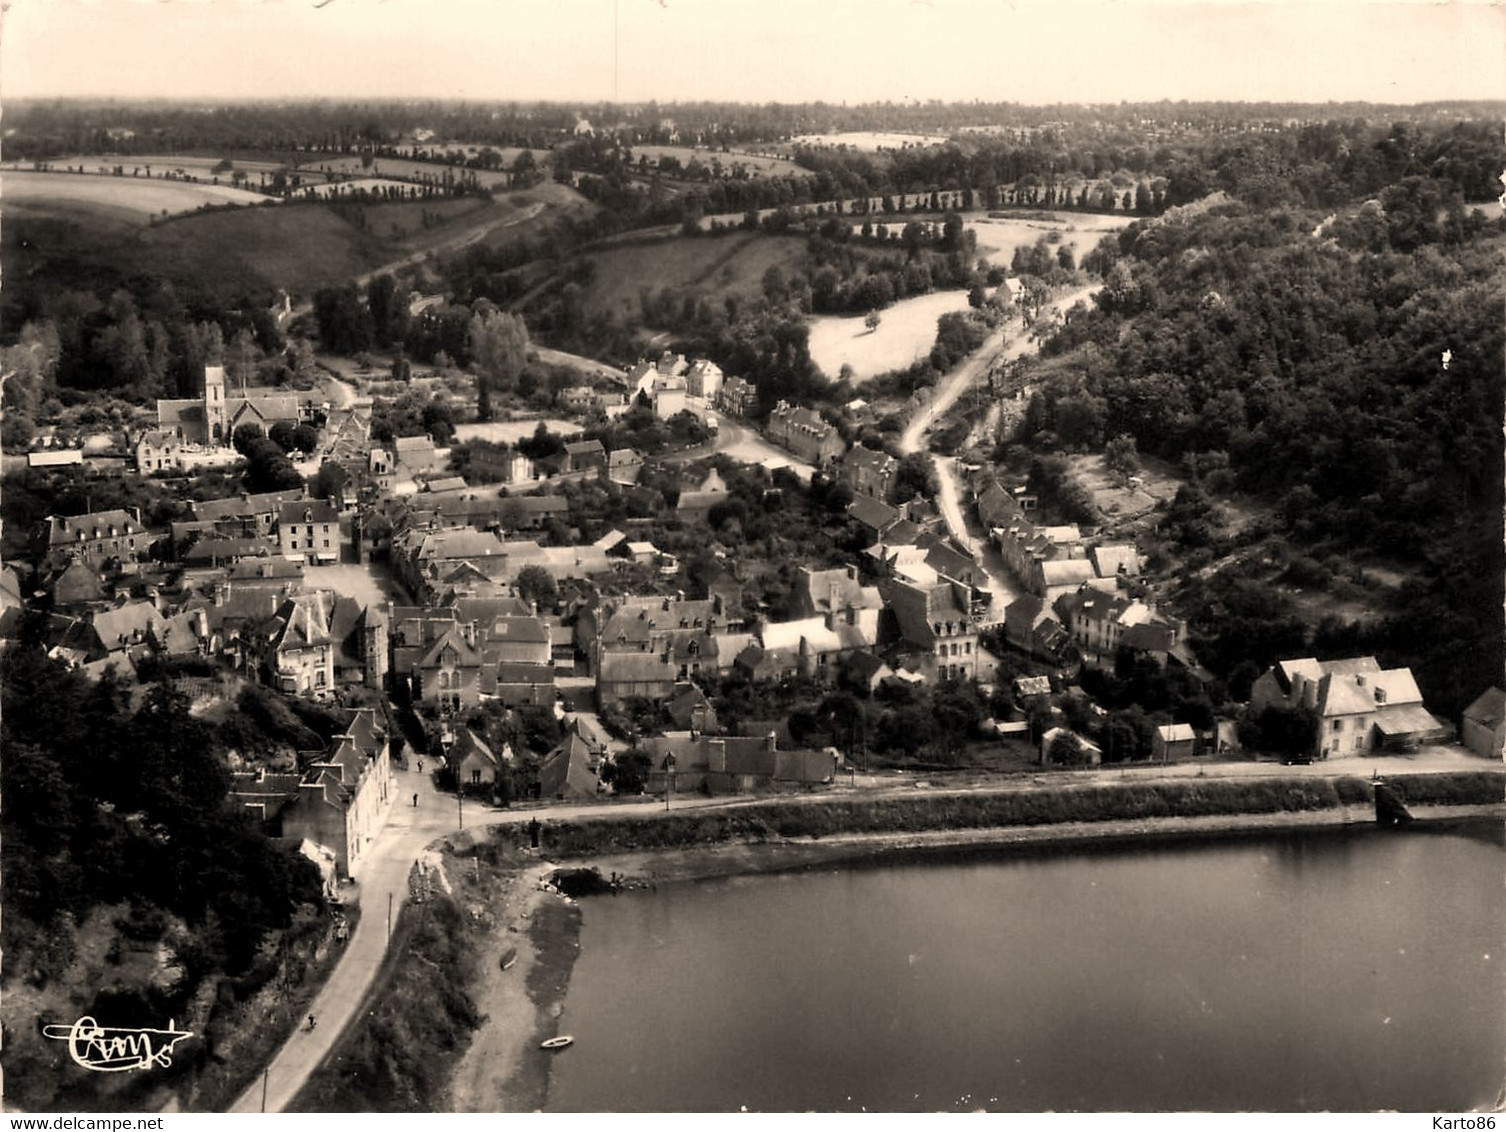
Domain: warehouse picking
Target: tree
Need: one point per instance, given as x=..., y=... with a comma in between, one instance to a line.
x=1067, y=750
x=499, y=348
x=245, y=437
x=916, y=475
x=1122, y=456
x=872, y=321
x=536, y=585
x=627, y=773
x=282, y=436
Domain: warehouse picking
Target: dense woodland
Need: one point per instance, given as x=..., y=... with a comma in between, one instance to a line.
x=1345, y=372
x=107, y=804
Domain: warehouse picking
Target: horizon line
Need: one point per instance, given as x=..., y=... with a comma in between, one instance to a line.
x=394, y=99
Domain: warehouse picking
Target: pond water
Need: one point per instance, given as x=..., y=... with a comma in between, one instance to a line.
x=1348, y=970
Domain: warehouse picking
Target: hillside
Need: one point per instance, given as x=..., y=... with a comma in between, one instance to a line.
x=233, y=252
x=733, y=266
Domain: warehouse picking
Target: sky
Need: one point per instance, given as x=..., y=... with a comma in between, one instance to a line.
x=1027, y=51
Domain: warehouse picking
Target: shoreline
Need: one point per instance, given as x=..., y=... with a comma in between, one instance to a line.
x=504, y=1070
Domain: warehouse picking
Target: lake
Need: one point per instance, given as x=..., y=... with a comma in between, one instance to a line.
x=1350, y=970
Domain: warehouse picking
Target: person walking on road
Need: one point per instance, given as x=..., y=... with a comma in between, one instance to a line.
x=415, y=800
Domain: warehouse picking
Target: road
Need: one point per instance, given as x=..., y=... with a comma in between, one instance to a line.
x=383, y=885
x=976, y=365
x=743, y=443
x=1001, y=583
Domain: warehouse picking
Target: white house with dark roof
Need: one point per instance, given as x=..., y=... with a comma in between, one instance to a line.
x=309, y=531
x=1357, y=705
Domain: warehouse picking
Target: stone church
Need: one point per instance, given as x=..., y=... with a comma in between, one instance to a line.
x=213, y=418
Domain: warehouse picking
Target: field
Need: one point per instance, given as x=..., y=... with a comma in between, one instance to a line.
x=760, y=165
x=351, y=165
x=296, y=246
x=906, y=333
x=998, y=239
x=195, y=165
x=713, y=269
x=510, y=432
x=133, y=199
x=867, y=141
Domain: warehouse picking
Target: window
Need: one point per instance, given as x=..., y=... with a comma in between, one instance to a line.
x=326, y=544
x=967, y=647
x=475, y=778
x=1338, y=725
x=293, y=545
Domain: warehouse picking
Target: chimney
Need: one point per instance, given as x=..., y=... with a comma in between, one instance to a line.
x=852, y=573
x=1359, y=679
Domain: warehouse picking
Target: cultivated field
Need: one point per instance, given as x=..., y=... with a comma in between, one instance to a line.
x=194, y=165
x=906, y=334
x=867, y=140
x=351, y=165
x=136, y=199
x=756, y=164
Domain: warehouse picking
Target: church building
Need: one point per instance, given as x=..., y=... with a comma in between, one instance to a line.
x=214, y=418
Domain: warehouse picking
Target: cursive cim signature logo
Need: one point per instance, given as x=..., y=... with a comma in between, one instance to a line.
x=113, y=1049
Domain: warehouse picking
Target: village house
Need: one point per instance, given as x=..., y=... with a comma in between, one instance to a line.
x=476, y=764
x=841, y=601
x=340, y=802
x=1173, y=741
x=309, y=531
x=294, y=650
x=568, y=771
x=1483, y=727
x=737, y=397
x=1357, y=705
x=730, y=764
x=802, y=431
x=584, y=456
x=1103, y=623
x=936, y=621
x=244, y=515
x=621, y=675
x=163, y=450
x=95, y=538
x=624, y=466
x=867, y=472
x=704, y=379
x=695, y=506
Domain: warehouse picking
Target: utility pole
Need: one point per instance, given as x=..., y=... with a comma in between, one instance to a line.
x=264, y=1074
x=389, y=917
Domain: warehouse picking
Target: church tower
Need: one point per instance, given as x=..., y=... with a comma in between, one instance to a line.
x=215, y=430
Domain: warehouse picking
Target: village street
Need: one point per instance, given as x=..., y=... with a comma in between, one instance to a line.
x=383, y=885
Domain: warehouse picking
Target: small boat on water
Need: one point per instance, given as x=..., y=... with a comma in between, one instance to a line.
x=557, y=1043
x=509, y=957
